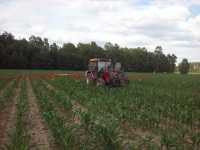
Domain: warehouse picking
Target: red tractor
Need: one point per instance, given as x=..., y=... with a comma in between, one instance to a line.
x=102, y=71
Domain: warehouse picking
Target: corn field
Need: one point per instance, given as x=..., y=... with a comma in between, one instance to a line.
x=154, y=112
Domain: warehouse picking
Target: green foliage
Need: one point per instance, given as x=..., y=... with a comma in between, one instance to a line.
x=63, y=136
x=2, y=84
x=19, y=137
x=184, y=66
x=158, y=112
x=7, y=94
x=106, y=136
x=166, y=105
x=38, y=53
x=196, y=140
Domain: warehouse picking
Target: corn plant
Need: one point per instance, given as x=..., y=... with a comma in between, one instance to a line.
x=19, y=137
x=62, y=135
x=7, y=94
x=166, y=102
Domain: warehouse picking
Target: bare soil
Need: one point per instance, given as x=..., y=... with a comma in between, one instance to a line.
x=128, y=132
x=7, y=119
x=39, y=134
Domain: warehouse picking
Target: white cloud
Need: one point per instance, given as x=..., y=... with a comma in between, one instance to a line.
x=193, y=25
x=130, y=23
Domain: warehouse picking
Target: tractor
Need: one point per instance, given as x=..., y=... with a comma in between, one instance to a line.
x=102, y=71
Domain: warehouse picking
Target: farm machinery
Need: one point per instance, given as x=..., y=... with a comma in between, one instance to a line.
x=103, y=71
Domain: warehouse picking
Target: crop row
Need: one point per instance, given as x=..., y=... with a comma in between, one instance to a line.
x=103, y=129
x=86, y=135
x=160, y=110
x=142, y=102
x=62, y=135
x=7, y=94
x=96, y=134
x=19, y=136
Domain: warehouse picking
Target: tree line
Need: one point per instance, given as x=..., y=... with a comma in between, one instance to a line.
x=38, y=53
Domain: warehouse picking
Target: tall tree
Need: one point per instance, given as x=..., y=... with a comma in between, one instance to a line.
x=38, y=53
x=54, y=56
x=184, y=66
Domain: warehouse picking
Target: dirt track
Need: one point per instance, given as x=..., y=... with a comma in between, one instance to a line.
x=40, y=138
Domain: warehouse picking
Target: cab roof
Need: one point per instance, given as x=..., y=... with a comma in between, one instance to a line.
x=100, y=59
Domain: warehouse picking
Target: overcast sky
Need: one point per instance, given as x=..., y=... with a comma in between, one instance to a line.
x=173, y=24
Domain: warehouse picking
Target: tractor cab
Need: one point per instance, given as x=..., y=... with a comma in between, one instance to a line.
x=98, y=64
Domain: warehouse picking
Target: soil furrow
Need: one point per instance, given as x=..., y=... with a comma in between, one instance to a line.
x=39, y=135
x=7, y=119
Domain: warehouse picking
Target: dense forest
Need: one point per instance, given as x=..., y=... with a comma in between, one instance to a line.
x=38, y=53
